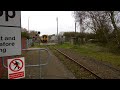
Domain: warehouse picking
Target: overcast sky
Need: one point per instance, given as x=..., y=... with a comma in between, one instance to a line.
x=45, y=21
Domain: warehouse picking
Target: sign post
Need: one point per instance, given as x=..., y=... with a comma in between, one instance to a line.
x=16, y=68
x=10, y=33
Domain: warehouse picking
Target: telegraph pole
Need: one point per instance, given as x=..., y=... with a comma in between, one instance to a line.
x=57, y=27
x=75, y=27
x=28, y=24
x=28, y=32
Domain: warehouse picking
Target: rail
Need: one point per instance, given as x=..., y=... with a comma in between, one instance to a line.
x=78, y=63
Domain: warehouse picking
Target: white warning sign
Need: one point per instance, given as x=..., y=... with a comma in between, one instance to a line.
x=16, y=68
x=10, y=33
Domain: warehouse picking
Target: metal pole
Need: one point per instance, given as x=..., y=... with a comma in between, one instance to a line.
x=75, y=33
x=57, y=27
x=28, y=32
x=40, y=66
x=3, y=63
x=28, y=24
x=75, y=27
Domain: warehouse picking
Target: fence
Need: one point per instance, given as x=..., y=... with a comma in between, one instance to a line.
x=29, y=43
x=26, y=43
x=30, y=62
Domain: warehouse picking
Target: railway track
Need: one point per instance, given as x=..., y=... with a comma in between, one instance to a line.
x=93, y=74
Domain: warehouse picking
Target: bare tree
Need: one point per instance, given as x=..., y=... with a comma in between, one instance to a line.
x=97, y=21
x=112, y=15
x=80, y=16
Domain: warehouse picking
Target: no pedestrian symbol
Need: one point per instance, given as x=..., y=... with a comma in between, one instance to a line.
x=16, y=65
x=16, y=68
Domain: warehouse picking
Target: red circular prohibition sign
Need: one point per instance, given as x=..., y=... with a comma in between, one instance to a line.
x=12, y=62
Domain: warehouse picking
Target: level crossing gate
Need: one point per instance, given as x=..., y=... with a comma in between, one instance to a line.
x=38, y=64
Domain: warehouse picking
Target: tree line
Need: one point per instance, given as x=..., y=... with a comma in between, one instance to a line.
x=104, y=27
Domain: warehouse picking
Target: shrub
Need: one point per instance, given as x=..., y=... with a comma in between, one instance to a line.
x=25, y=34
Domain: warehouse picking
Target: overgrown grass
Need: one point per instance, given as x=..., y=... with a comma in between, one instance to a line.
x=94, y=51
x=35, y=45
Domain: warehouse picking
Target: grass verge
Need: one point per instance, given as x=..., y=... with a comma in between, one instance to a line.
x=94, y=51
